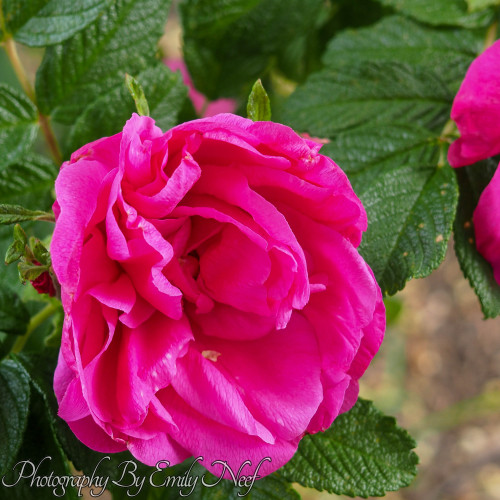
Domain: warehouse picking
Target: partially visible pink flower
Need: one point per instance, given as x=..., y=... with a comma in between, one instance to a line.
x=202, y=105
x=487, y=224
x=476, y=111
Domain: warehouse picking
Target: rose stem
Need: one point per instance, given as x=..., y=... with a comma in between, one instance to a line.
x=34, y=323
x=11, y=50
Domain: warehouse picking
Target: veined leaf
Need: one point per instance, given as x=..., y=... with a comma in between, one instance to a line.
x=363, y=454
x=28, y=179
x=398, y=39
x=44, y=22
x=107, y=115
x=338, y=99
x=442, y=12
x=472, y=180
x=18, y=125
x=15, y=398
x=410, y=200
x=76, y=73
x=10, y=214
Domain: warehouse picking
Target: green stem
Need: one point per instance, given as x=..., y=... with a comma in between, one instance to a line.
x=491, y=35
x=17, y=65
x=34, y=323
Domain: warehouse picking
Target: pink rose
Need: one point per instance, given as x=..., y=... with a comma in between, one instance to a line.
x=487, y=224
x=476, y=111
x=215, y=302
x=202, y=105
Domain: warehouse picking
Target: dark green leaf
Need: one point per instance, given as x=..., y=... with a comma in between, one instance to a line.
x=409, y=199
x=44, y=22
x=472, y=180
x=15, y=397
x=18, y=125
x=14, y=252
x=338, y=99
x=41, y=449
x=228, y=44
x=41, y=254
x=395, y=38
x=29, y=182
x=76, y=73
x=108, y=113
x=6, y=344
x=363, y=454
x=137, y=93
x=259, y=106
x=442, y=12
x=10, y=214
x=14, y=316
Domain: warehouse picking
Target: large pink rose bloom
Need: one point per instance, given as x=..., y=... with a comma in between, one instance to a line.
x=215, y=302
x=476, y=111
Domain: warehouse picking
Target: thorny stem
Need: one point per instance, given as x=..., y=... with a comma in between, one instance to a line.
x=17, y=65
x=34, y=323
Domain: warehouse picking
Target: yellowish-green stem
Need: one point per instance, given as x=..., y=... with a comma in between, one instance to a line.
x=34, y=323
x=11, y=50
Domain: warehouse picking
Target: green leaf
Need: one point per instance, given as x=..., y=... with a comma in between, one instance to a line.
x=18, y=125
x=14, y=252
x=108, y=113
x=442, y=12
x=14, y=316
x=259, y=106
x=472, y=180
x=40, y=447
x=15, y=397
x=449, y=52
x=93, y=62
x=10, y=214
x=137, y=93
x=475, y=5
x=41, y=254
x=410, y=200
x=228, y=44
x=44, y=22
x=338, y=99
x=363, y=454
x=28, y=181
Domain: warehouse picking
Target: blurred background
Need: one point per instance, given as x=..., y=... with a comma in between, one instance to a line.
x=438, y=370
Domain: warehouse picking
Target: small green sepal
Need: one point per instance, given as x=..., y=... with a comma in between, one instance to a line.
x=137, y=93
x=259, y=105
